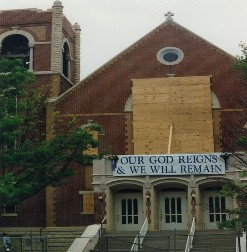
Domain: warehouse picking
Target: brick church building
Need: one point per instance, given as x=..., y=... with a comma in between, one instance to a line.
x=170, y=108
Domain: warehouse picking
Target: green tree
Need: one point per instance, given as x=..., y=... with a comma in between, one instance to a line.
x=28, y=161
x=231, y=188
x=241, y=63
x=238, y=192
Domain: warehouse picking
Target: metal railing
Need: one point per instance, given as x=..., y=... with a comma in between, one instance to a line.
x=154, y=241
x=28, y=242
x=189, y=243
x=101, y=236
x=140, y=237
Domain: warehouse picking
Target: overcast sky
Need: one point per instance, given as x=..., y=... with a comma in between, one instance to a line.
x=110, y=26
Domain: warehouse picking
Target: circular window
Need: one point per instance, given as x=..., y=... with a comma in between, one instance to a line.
x=170, y=55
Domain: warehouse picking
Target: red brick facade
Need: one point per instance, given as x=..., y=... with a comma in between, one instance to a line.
x=103, y=95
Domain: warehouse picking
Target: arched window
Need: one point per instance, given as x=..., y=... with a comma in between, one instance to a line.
x=18, y=44
x=66, y=60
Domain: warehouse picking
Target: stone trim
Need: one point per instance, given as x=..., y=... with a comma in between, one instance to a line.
x=77, y=51
x=56, y=38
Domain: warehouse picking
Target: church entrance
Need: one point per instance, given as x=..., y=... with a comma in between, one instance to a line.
x=173, y=210
x=214, y=206
x=129, y=212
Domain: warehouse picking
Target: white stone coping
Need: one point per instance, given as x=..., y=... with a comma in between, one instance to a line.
x=87, y=241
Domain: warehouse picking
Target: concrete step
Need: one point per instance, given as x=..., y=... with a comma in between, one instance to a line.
x=165, y=241
x=204, y=241
x=154, y=241
x=117, y=241
x=61, y=240
x=214, y=241
x=56, y=238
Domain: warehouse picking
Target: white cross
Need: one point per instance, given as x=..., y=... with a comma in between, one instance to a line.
x=169, y=15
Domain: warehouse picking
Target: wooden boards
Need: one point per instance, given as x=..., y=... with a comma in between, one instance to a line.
x=183, y=103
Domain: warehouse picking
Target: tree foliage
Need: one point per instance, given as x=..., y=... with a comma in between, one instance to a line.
x=236, y=191
x=241, y=63
x=28, y=161
x=231, y=188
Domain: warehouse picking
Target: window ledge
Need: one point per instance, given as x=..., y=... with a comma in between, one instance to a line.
x=9, y=214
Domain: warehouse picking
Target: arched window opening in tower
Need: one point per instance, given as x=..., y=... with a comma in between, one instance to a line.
x=66, y=61
x=16, y=46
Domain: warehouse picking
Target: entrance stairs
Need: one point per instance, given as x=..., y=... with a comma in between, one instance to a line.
x=214, y=241
x=50, y=239
x=116, y=241
x=169, y=240
x=60, y=239
x=154, y=241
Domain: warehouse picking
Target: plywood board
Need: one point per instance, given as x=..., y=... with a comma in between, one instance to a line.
x=181, y=102
x=88, y=177
x=88, y=203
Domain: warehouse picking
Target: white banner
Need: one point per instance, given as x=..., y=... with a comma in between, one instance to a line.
x=172, y=165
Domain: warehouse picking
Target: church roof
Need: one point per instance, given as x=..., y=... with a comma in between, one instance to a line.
x=169, y=22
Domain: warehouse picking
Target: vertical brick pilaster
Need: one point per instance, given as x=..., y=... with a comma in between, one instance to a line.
x=217, y=130
x=77, y=52
x=55, y=88
x=50, y=200
x=99, y=207
x=56, y=37
x=129, y=146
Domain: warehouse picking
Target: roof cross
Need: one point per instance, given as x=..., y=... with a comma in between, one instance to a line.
x=169, y=15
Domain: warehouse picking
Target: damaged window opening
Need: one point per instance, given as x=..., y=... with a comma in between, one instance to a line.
x=16, y=47
x=66, y=61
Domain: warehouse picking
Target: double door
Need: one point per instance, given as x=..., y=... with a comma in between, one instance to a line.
x=173, y=211
x=214, y=209
x=129, y=213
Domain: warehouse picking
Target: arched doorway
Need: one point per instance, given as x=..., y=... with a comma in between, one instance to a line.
x=128, y=209
x=173, y=208
x=214, y=207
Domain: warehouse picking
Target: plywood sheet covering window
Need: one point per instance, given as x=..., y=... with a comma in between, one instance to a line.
x=181, y=102
x=88, y=203
x=88, y=177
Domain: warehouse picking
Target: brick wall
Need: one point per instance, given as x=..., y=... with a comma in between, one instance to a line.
x=30, y=213
x=103, y=95
x=24, y=17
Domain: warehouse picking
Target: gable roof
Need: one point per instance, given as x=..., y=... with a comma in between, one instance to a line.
x=133, y=46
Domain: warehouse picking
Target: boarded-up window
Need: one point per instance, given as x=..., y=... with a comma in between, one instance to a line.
x=183, y=103
x=88, y=203
x=88, y=177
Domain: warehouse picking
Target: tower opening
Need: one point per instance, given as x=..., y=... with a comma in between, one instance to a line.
x=16, y=46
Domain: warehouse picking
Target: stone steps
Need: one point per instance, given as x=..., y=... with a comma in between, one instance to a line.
x=154, y=241
x=117, y=241
x=55, y=239
x=61, y=240
x=214, y=241
x=204, y=241
x=164, y=241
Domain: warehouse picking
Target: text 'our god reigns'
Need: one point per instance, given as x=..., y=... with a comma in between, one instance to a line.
x=186, y=164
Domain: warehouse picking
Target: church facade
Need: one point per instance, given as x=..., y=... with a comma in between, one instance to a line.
x=171, y=110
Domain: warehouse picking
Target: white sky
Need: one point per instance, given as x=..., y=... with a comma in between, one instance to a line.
x=110, y=26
